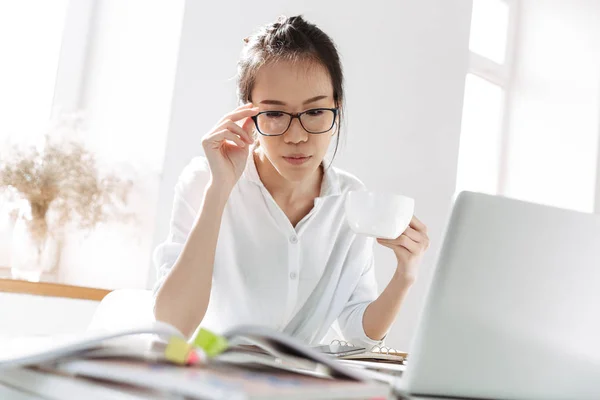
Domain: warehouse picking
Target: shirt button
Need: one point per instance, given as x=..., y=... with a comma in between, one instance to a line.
x=293, y=275
x=293, y=239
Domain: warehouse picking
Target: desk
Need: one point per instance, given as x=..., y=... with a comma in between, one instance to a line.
x=8, y=393
x=52, y=290
x=40, y=308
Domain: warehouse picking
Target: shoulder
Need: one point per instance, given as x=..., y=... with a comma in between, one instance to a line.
x=347, y=181
x=196, y=169
x=193, y=180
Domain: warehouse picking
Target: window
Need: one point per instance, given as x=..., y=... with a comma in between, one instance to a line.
x=83, y=56
x=532, y=107
x=554, y=111
x=480, y=160
x=489, y=27
x=30, y=41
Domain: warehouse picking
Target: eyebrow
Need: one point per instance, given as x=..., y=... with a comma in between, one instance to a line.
x=281, y=103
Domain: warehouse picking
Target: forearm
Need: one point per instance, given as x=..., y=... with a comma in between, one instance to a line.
x=183, y=298
x=381, y=313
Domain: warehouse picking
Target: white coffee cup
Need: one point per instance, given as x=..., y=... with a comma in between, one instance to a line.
x=381, y=215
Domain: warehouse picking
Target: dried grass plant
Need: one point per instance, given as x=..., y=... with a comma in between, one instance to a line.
x=61, y=175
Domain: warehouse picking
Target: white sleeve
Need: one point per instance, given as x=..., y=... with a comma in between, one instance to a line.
x=189, y=192
x=351, y=317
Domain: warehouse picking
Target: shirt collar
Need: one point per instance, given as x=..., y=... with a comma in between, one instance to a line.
x=329, y=187
x=251, y=173
x=331, y=181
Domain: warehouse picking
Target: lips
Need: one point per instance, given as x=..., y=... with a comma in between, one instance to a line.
x=297, y=159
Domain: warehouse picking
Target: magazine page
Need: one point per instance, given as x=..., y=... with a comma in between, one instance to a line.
x=285, y=344
x=223, y=381
x=20, y=351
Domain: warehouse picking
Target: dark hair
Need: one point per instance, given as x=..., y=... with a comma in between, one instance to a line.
x=291, y=39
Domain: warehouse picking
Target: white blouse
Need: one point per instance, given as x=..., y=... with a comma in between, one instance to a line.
x=297, y=280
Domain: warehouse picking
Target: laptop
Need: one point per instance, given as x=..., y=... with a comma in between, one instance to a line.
x=513, y=311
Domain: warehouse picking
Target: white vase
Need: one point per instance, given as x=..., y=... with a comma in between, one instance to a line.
x=6, y=228
x=31, y=255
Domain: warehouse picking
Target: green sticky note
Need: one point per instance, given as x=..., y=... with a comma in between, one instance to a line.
x=177, y=350
x=211, y=343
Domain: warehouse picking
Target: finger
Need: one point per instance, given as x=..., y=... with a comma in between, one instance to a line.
x=402, y=241
x=418, y=237
x=385, y=243
x=409, y=244
x=248, y=126
x=243, y=106
x=391, y=242
x=414, y=235
x=226, y=134
x=417, y=224
x=235, y=128
x=237, y=115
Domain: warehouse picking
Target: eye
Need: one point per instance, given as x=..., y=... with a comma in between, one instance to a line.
x=314, y=113
x=274, y=114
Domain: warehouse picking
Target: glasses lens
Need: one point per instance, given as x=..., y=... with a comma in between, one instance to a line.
x=273, y=122
x=318, y=121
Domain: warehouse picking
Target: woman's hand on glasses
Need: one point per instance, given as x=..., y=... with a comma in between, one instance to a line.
x=227, y=145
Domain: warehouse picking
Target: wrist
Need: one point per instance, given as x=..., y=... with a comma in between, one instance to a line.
x=402, y=279
x=217, y=192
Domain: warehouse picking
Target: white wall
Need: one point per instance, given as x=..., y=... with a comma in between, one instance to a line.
x=415, y=81
x=405, y=64
x=555, y=104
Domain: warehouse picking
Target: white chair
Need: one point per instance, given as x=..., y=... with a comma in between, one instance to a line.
x=123, y=308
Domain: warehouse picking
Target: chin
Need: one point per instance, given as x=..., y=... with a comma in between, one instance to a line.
x=297, y=173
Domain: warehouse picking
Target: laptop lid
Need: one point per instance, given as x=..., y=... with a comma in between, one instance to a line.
x=513, y=311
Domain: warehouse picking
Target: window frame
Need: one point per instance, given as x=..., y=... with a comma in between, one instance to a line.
x=71, y=71
x=502, y=76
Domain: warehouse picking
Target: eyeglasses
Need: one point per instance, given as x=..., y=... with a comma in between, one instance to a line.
x=276, y=123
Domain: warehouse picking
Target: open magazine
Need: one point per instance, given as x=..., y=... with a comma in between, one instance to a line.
x=18, y=351
x=276, y=350
x=70, y=379
x=258, y=363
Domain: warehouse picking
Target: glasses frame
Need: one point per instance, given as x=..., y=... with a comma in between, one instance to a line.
x=297, y=115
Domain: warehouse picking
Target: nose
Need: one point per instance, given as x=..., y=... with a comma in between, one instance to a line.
x=296, y=133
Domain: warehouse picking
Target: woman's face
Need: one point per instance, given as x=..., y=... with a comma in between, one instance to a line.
x=293, y=88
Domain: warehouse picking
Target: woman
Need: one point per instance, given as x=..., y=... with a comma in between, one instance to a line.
x=258, y=231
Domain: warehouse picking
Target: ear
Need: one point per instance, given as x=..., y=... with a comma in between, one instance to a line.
x=336, y=127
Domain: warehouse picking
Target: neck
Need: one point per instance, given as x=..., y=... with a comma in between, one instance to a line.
x=282, y=189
